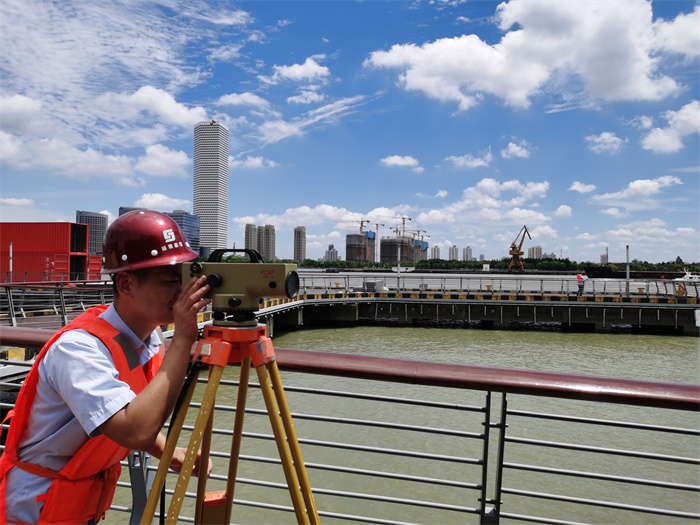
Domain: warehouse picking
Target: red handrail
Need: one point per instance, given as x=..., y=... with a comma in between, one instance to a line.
x=549, y=384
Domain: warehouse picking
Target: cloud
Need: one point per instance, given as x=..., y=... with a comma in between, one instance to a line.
x=161, y=161
x=244, y=99
x=574, y=50
x=277, y=130
x=160, y=202
x=638, y=195
x=402, y=161
x=606, y=142
x=614, y=212
x=308, y=72
x=11, y=201
x=470, y=161
x=680, y=35
x=490, y=200
x=580, y=187
x=439, y=195
x=681, y=124
x=563, y=211
x=152, y=101
x=60, y=156
x=306, y=97
x=516, y=150
x=251, y=162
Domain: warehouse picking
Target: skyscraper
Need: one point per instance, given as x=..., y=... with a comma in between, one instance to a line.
x=267, y=241
x=300, y=243
x=211, y=183
x=251, y=237
x=97, y=226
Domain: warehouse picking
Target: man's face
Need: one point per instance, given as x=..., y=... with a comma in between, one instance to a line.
x=157, y=290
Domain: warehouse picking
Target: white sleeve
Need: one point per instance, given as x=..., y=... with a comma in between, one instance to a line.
x=81, y=370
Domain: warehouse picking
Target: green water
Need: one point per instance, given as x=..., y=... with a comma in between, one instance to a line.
x=650, y=358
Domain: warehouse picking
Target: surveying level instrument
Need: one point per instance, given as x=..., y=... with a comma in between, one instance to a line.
x=235, y=337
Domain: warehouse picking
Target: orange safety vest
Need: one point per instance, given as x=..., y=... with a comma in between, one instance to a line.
x=94, y=470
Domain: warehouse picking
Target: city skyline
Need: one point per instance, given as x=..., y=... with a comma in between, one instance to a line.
x=580, y=120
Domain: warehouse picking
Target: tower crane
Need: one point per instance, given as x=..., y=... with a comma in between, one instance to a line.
x=516, y=250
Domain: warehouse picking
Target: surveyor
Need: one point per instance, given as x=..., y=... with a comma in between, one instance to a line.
x=103, y=385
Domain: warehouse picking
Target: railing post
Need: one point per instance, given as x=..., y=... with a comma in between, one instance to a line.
x=13, y=315
x=490, y=513
x=141, y=482
x=64, y=313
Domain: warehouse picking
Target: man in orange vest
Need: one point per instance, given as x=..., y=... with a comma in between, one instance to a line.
x=103, y=385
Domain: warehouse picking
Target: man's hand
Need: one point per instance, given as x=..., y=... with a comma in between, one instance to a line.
x=179, y=458
x=188, y=304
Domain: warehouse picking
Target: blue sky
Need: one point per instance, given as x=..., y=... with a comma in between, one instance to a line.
x=578, y=119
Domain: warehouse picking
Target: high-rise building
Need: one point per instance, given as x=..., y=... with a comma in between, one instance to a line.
x=266, y=241
x=435, y=252
x=535, y=252
x=97, y=226
x=251, y=237
x=211, y=183
x=189, y=224
x=331, y=254
x=467, y=253
x=454, y=253
x=300, y=243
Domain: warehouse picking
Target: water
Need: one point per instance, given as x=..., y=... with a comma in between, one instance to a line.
x=664, y=359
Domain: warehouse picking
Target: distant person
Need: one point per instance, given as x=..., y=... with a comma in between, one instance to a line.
x=103, y=385
x=581, y=281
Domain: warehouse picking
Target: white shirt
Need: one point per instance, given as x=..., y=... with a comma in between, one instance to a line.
x=78, y=390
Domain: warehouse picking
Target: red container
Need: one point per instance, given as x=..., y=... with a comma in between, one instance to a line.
x=45, y=251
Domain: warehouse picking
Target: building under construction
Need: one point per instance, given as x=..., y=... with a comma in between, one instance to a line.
x=360, y=247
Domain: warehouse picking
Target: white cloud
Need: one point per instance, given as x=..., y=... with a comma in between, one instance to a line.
x=306, y=97
x=244, y=99
x=439, y=195
x=639, y=195
x=680, y=35
x=580, y=187
x=11, y=201
x=606, y=142
x=161, y=161
x=681, y=124
x=470, y=161
x=640, y=188
x=563, y=211
x=160, y=202
x=309, y=71
x=402, y=161
x=614, y=212
x=604, y=47
x=519, y=150
x=251, y=162
x=152, y=101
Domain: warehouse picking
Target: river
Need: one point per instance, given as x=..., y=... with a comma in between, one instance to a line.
x=643, y=357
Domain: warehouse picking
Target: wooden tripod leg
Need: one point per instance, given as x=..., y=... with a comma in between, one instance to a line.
x=293, y=443
x=237, y=436
x=170, y=445
x=195, y=441
x=282, y=446
x=204, y=461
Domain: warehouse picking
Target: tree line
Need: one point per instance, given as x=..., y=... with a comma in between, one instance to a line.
x=539, y=265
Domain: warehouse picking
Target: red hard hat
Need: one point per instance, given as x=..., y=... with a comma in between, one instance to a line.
x=143, y=239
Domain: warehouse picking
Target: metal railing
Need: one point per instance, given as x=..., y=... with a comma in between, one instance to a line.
x=26, y=304
x=466, y=444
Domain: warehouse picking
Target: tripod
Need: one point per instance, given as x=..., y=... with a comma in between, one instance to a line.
x=220, y=346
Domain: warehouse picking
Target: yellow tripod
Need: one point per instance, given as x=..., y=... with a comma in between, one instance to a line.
x=220, y=346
